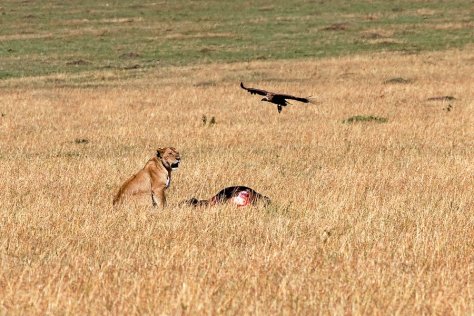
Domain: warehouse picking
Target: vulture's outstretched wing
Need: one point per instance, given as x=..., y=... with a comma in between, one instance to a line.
x=291, y=97
x=253, y=90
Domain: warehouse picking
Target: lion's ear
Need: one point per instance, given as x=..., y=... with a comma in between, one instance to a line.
x=159, y=152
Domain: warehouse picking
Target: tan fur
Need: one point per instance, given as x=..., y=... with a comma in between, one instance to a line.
x=152, y=179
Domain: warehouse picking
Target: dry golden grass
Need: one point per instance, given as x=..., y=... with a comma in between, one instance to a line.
x=368, y=218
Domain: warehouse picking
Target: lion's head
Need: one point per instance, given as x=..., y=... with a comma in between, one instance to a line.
x=169, y=156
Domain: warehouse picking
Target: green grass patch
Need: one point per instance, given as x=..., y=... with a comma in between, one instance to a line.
x=47, y=37
x=397, y=80
x=365, y=118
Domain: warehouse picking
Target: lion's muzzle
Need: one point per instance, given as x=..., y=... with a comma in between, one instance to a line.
x=175, y=164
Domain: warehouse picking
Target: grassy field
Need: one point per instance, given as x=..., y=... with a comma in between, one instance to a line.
x=372, y=186
x=370, y=216
x=41, y=38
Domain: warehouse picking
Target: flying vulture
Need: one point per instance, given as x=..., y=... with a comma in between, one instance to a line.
x=276, y=98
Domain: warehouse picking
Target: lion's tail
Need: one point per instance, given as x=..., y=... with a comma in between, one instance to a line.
x=116, y=200
x=118, y=197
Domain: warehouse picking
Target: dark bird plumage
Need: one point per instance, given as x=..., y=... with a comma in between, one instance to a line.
x=277, y=98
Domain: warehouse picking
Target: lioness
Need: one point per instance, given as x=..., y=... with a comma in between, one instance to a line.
x=153, y=179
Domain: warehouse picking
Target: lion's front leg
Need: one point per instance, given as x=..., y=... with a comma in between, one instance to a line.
x=158, y=199
x=153, y=200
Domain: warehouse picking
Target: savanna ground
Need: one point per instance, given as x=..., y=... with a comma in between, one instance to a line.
x=369, y=217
